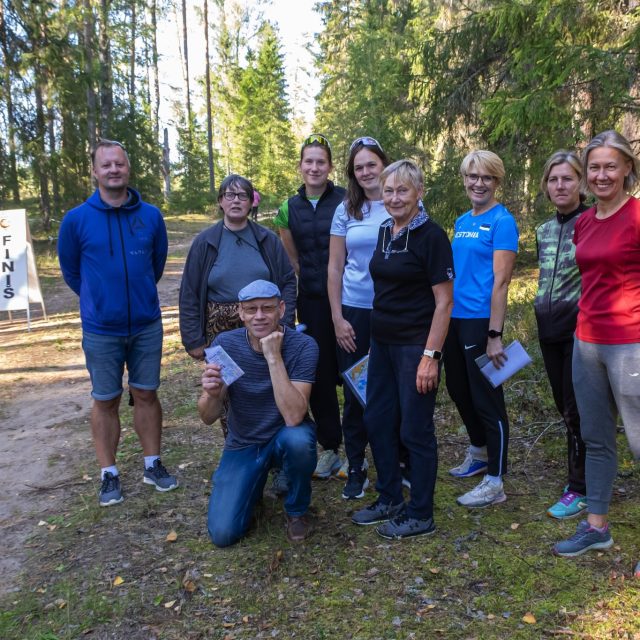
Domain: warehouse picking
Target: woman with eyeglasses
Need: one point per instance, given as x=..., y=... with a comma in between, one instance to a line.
x=485, y=243
x=304, y=221
x=556, y=308
x=354, y=233
x=412, y=272
x=223, y=259
x=606, y=350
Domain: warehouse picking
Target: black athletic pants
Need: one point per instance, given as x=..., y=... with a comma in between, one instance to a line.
x=481, y=407
x=557, y=358
x=316, y=314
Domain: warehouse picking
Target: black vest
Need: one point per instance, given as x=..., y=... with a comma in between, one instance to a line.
x=310, y=230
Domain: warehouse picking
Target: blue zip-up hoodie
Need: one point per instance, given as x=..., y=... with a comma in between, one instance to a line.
x=112, y=257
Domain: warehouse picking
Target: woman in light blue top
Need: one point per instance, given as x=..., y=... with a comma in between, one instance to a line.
x=354, y=233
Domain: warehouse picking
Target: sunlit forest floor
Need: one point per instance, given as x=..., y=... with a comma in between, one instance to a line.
x=146, y=568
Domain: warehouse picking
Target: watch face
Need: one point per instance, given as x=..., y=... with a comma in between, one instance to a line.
x=494, y=334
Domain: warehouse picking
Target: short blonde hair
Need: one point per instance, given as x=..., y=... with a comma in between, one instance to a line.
x=616, y=141
x=406, y=172
x=483, y=160
x=561, y=157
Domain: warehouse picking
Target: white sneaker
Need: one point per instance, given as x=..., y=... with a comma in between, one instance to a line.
x=328, y=463
x=471, y=465
x=483, y=495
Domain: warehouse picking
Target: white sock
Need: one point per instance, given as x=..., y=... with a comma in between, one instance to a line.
x=113, y=470
x=494, y=479
x=479, y=453
x=149, y=460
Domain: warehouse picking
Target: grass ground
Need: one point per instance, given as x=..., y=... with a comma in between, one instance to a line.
x=146, y=569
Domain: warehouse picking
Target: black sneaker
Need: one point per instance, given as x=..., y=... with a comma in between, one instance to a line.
x=403, y=526
x=357, y=482
x=110, y=492
x=159, y=477
x=376, y=513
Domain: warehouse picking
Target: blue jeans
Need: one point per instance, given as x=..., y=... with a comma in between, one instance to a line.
x=242, y=473
x=396, y=413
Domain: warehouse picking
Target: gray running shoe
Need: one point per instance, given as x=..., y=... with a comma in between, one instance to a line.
x=328, y=463
x=584, y=539
x=279, y=482
x=483, y=495
x=376, y=513
x=405, y=527
x=158, y=476
x=110, y=492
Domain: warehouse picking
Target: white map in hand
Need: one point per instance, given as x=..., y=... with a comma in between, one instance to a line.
x=229, y=370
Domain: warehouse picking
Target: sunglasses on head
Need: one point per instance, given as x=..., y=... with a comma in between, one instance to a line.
x=316, y=137
x=365, y=141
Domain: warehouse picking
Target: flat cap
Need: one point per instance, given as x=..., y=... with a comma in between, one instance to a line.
x=259, y=289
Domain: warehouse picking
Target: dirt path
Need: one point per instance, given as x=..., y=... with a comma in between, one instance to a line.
x=45, y=443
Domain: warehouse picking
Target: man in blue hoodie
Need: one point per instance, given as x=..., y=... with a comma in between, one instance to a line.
x=112, y=251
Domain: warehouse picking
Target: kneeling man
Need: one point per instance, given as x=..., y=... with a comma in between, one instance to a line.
x=269, y=424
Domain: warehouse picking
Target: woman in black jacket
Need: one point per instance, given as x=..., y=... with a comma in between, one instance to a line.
x=304, y=221
x=222, y=260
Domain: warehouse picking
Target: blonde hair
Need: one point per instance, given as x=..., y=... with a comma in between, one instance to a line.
x=614, y=140
x=483, y=160
x=406, y=172
x=561, y=157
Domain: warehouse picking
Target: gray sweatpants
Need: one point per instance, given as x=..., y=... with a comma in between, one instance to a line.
x=606, y=380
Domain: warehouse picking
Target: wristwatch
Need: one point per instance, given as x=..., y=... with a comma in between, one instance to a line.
x=492, y=333
x=431, y=353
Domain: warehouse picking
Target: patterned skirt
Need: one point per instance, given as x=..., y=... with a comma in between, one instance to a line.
x=222, y=316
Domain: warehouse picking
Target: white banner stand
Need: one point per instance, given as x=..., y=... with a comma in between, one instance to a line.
x=19, y=282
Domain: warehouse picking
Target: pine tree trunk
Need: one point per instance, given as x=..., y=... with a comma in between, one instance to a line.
x=132, y=64
x=166, y=166
x=207, y=79
x=185, y=44
x=40, y=157
x=13, y=185
x=155, y=109
x=106, y=76
x=88, y=30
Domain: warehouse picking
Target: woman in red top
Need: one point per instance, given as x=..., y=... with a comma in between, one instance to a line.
x=606, y=355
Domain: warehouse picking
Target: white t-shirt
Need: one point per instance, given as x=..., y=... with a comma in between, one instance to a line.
x=361, y=237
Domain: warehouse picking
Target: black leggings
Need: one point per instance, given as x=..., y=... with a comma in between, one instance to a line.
x=316, y=314
x=480, y=406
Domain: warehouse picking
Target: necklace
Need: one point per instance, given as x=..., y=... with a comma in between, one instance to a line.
x=240, y=239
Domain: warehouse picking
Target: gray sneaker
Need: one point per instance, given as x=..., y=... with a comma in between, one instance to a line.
x=328, y=463
x=376, y=513
x=110, y=492
x=483, y=495
x=159, y=477
x=405, y=527
x=279, y=482
x=584, y=539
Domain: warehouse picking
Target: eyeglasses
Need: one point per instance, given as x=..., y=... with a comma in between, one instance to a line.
x=316, y=137
x=388, y=251
x=252, y=309
x=232, y=195
x=365, y=141
x=474, y=177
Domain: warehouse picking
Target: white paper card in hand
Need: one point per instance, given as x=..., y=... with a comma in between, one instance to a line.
x=517, y=358
x=229, y=370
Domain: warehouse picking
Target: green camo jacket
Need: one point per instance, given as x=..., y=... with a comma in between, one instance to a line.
x=559, y=283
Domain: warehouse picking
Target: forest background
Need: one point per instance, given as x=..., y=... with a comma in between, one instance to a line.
x=430, y=79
